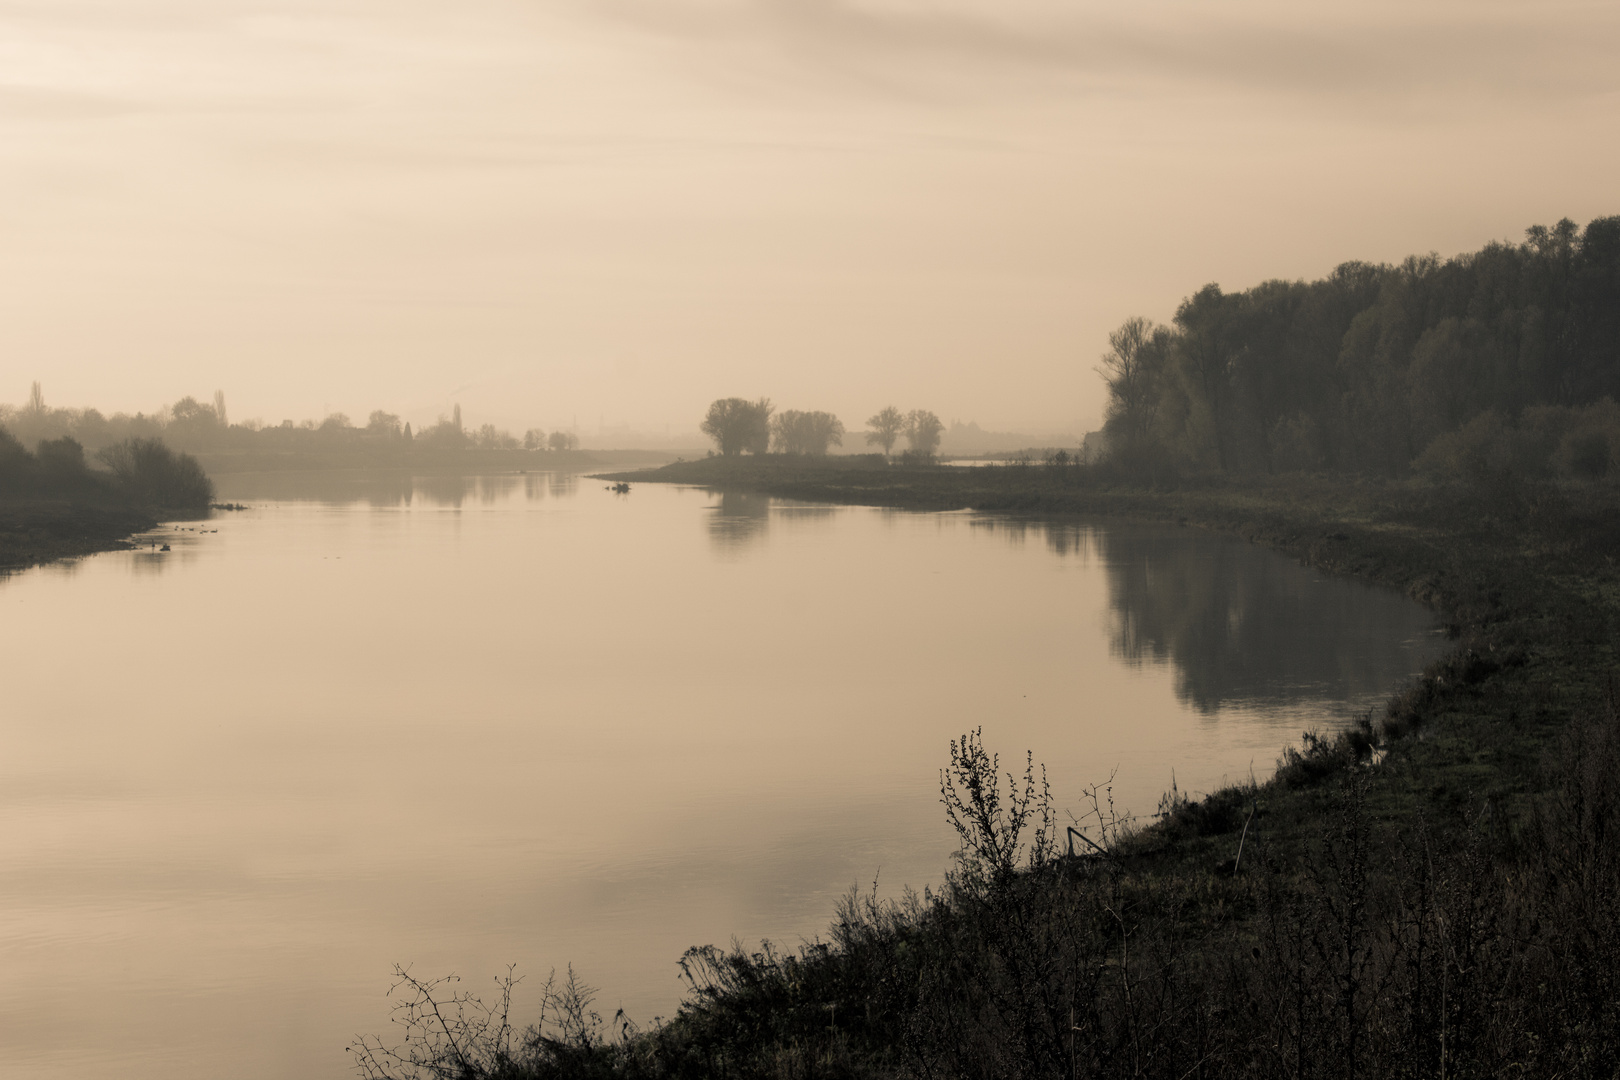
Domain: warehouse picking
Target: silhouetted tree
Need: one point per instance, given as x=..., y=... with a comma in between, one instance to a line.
x=534, y=439
x=886, y=427
x=382, y=425
x=193, y=423
x=14, y=456
x=739, y=426
x=64, y=456
x=798, y=432
x=1135, y=369
x=156, y=475
x=923, y=430
x=490, y=437
x=563, y=440
x=446, y=433
x=190, y=412
x=1208, y=349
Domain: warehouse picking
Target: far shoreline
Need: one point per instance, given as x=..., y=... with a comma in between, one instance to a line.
x=38, y=529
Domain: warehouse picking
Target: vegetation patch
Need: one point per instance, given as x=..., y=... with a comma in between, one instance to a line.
x=53, y=505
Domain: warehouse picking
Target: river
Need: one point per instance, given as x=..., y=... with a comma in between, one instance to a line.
x=463, y=722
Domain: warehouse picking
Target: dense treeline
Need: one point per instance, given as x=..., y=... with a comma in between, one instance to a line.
x=1493, y=359
x=140, y=471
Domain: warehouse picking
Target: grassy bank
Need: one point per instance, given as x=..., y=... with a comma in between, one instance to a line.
x=1435, y=892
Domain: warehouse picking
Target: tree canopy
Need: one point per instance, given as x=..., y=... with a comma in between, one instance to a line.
x=737, y=425
x=1363, y=370
x=796, y=432
x=923, y=430
x=885, y=427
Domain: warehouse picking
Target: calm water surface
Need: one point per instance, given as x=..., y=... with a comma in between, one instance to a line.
x=464, y=722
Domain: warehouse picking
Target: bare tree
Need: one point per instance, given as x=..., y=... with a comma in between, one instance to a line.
x=490, y=437
x=923, y=430
x=886, y=427
x=156, y=475
x=1133, y=367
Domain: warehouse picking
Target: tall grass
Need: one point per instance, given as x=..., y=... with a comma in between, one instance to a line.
x=1378, y=948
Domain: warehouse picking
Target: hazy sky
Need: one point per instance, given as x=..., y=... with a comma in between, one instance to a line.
x=622, y=209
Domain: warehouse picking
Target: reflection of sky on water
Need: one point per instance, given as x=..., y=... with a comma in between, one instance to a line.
x=384, y=489
x=339, y=489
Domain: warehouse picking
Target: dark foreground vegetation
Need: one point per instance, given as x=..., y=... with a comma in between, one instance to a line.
x=1432, y=893
x=53, y=504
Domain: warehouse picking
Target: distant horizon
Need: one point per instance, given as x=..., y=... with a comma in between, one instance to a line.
x=642, y=437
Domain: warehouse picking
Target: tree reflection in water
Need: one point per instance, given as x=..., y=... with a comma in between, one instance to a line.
x=738, y=519
x=386, y=490
x=1240, y=625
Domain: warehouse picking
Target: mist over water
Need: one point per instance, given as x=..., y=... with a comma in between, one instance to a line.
x=460, y=722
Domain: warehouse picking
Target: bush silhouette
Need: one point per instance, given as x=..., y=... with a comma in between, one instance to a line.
x=64, y=456
x=156, y=475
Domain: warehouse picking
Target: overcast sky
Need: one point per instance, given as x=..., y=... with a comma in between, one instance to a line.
x=621, y=209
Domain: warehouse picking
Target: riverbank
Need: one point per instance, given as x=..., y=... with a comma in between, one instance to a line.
x=35, y=531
